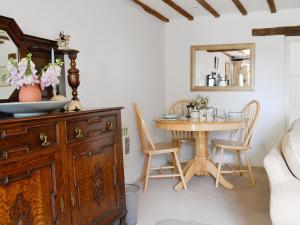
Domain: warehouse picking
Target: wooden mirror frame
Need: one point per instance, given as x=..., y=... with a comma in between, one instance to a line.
x=41, y=53
x=228, y=47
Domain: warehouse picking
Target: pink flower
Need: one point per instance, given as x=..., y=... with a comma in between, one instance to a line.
x=24, y=73
x=50, y=76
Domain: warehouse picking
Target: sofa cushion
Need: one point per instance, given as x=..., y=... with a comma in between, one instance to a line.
x=291, y=150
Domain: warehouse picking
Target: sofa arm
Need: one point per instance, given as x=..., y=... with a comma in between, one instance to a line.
x=285, y=190
x=276, y=167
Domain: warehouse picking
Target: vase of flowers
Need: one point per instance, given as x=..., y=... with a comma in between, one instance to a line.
x=199, y=102
x=24, y=76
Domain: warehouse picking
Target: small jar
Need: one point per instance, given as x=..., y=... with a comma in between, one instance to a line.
x=194, y=114
x=202, y=114
x=211, y=113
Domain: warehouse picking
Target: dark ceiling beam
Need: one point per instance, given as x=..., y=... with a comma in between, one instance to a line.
x=240, y=7
x=1, y=42
x=151, y=11
x=178, y=9
x=4, y=37
x=287, y=31
x=272, y=6
x=208, y=7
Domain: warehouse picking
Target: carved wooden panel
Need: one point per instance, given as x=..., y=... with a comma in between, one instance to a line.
x=20, y=212
x=30, y=199
x=98, y=184
x=95, y=182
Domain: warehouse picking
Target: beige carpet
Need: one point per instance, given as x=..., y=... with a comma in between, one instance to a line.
x=177, y=222
x=202, y=203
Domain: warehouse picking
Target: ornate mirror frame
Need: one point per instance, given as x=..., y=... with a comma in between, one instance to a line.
x=221, y=47
x=41, y=53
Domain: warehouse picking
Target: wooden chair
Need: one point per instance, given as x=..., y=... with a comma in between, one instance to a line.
x=180, y=108
x=251, y=112
x=150, y=149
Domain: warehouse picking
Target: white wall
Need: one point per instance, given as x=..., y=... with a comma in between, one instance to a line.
x=121, y=57
x=292, y=79
x=269, y=68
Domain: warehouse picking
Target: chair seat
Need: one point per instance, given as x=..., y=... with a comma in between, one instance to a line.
x=229, y=144
x=164, y=148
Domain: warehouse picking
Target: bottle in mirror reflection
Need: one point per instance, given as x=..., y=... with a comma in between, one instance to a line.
x=211, y=79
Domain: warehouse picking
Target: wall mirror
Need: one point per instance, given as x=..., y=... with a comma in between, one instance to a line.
x=8, y=49
x=227, y=67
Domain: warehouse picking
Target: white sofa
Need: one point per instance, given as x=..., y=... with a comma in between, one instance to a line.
x=285, y=187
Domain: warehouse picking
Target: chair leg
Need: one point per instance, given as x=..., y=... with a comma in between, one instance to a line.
x=238, y=154
x=180, y=170
x=219, y=168
x=174, y=162
x=249, y=169
x=142, y=177
x=213, y=153
x=147, y=173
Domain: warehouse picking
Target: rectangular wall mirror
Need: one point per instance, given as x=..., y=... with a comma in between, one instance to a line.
x=228, y=67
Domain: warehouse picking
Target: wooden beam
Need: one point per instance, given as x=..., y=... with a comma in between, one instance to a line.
x=178, y=9
x=209, y=8
x=272, y=6
x=287, y=31
x=4, y=37
x=224, y=50
x=240, y=7
x=151, y=11
x=1, y=42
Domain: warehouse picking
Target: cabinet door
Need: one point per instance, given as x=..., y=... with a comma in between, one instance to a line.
x=29, y=191
x=96, y=185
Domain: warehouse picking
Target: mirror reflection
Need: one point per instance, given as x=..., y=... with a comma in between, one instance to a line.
x=8, y=49
x=222, y=67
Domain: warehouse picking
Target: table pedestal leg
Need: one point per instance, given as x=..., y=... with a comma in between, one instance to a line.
x=201, y=165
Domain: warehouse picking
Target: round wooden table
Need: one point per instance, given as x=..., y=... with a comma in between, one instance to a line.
x=201, y=165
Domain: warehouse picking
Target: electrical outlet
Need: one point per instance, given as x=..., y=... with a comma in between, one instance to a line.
x=127, y=145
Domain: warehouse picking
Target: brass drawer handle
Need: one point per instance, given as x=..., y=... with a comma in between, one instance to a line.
x=44, y=139
x=62, y=204
x=109, y=125
x=78, y=132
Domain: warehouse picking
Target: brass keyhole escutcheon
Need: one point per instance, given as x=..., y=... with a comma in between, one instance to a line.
x=62, y=204
x=109, y=125
x=44, y=139
x=78, y=132
x=73, y=199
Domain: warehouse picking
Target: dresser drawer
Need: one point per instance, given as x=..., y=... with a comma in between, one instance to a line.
x=90, y=126
x=20, y=139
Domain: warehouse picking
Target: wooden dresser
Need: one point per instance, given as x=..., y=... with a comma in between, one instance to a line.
x=62, y=169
